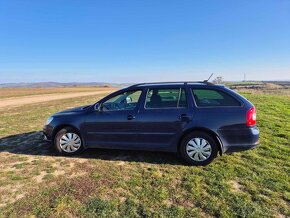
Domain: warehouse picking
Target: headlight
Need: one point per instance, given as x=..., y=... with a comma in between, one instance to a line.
x=48, y=121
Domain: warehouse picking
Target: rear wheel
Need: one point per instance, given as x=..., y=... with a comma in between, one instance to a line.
x=198, y=148
x=68, y=141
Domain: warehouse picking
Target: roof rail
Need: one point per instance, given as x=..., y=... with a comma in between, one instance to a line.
x=207, y=82
x=184, y=82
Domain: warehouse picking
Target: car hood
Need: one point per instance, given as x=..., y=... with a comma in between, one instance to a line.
x=74, y=110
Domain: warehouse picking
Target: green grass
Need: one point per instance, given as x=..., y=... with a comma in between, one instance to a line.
x=102, y=183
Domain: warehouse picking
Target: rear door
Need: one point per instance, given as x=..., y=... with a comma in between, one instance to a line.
x=162, y=117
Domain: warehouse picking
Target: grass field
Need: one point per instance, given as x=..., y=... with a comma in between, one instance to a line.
x=19, y=92
x=272, y=88
x=104, y=183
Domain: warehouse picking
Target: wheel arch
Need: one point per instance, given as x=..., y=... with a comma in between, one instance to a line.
x=59, y=127
x=208, y=131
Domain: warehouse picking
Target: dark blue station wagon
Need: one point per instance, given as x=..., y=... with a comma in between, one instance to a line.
x=198, y=120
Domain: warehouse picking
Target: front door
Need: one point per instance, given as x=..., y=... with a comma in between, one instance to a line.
x=114, y=125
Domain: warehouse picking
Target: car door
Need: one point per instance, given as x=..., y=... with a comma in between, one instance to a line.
x=163, y=117
x=114, y=124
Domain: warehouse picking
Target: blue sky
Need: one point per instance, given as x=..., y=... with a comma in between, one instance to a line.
x=136, y=41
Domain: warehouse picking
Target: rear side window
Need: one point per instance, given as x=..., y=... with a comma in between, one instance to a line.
x=165, y=98
x=213, y=98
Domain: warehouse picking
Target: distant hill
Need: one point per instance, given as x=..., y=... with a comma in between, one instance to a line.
x=56, y=84
x=72, y=84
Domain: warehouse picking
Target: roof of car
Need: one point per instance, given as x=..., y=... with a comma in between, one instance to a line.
x=173, y=83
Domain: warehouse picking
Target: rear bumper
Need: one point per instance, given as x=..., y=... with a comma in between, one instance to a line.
x=237, y=148
x=240, y=140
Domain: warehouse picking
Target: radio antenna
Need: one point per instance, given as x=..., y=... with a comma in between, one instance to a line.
x=208, y=78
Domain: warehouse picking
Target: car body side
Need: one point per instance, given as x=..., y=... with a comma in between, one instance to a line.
x=159, y=129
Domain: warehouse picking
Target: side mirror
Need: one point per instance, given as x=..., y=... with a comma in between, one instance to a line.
x=98, y=107
x=129, y=100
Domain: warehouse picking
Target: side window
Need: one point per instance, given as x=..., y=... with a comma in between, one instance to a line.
x=123, y=101
x=182, y=99
x=165, y=98
x=213, y=98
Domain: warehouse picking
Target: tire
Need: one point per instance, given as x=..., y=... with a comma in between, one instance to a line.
x=68, y=142
x=198, y=148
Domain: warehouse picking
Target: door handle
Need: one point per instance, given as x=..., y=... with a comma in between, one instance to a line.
x=184, y=117
x=131, y=117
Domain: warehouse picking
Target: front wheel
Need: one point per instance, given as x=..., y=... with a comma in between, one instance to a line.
x=198, y=148
x=68, y=142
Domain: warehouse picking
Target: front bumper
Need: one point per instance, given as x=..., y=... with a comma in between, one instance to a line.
x=44, y=137
x=47, y=133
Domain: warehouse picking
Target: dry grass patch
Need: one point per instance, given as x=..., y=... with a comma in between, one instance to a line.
x=235, y=186
x=19, y=92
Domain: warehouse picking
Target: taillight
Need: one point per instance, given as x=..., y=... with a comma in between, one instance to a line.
x=251, y=117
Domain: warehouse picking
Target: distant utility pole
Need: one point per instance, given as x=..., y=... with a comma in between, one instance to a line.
x=244, y=77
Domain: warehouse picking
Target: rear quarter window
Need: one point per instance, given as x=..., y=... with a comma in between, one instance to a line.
x=214, y=98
